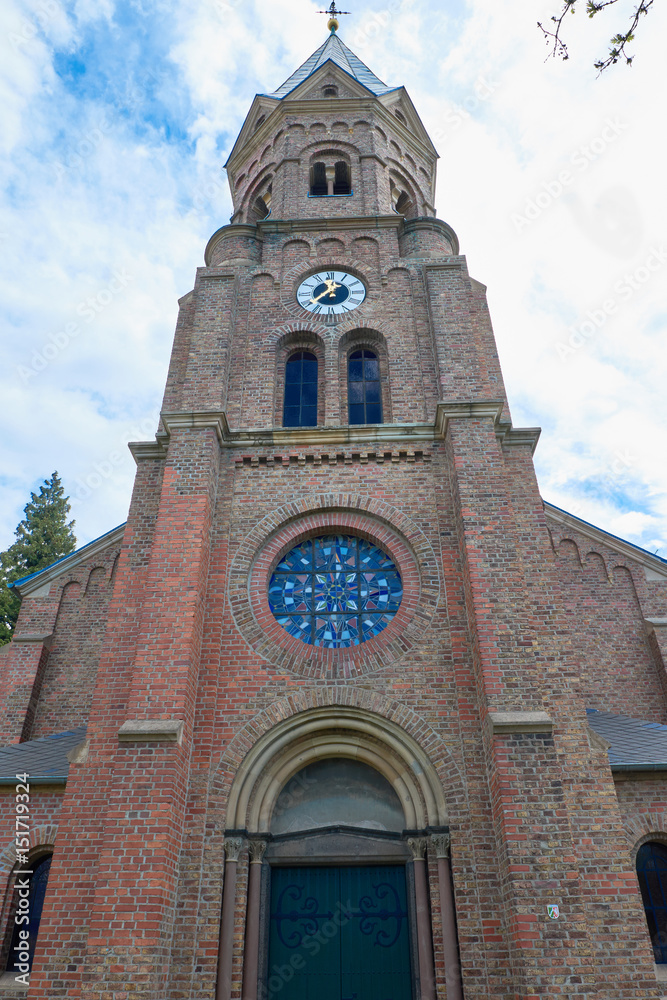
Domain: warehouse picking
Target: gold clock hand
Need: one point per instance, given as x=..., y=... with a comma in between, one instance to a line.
x=330, y=290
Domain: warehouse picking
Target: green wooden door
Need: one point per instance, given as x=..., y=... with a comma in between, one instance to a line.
x=339, y=934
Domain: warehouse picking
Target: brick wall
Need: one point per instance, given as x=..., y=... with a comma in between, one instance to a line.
x=495, y=617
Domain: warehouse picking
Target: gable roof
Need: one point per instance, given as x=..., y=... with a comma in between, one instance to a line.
x=651, y=562
x=335, y=51
x=29, y=584
x=44, y=760
x=635, y=745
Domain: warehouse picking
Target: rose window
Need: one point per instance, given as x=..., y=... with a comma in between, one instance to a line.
x=335, y=591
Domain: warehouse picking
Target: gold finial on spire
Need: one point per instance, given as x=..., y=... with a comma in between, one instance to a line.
x=333, y=17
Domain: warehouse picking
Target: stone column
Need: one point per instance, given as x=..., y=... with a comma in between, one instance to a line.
x=223, y=990
x=251, y=950
x=417, y=847
x=441, y=843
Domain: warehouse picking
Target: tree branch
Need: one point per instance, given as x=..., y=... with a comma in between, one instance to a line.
x=617, y=45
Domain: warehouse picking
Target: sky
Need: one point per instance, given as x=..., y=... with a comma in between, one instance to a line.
x=116, y=119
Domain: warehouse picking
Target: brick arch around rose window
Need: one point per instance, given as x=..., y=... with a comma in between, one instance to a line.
x=374, y=520
x=355, y=340
x=289, y=344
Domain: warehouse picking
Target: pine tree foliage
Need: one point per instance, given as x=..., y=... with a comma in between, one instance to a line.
x=43, y=536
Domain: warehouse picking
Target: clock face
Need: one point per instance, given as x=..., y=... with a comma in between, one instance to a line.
x=330, y=293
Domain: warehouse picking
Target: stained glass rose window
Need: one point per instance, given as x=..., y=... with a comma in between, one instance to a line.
x=335, y=591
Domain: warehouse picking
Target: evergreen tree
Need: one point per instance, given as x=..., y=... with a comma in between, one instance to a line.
x=42, y=537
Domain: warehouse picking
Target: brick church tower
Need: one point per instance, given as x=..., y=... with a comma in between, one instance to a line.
x=344, y=711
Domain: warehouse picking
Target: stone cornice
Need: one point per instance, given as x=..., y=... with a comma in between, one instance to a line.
x=325, y=438
x=342, y=222
x=509, y=437
x=520, y=722
x=45, y=638
x=197, y=420
x=151, y=731
x=31, y=584
x=425, y=222
x=655, y=624
x=651, y=563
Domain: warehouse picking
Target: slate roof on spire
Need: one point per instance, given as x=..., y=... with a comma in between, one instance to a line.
x=339, y=53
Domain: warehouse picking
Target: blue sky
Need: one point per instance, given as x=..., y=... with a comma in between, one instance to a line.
x=117, y=118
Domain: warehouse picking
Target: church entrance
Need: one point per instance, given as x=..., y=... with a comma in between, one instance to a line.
x=339, y=933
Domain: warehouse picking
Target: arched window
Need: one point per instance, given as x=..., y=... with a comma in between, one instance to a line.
x=403, y=204
x=337, y=791
x=318, y=180
x=36, y=892
x=363, y=388
x=300, y=408
x=652, y=875
x=342, y=180
x=261, y=209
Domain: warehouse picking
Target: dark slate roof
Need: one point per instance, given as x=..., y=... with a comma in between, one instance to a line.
x=635, y=745
x=42, y=759
x=339, y=53
x=72, y=555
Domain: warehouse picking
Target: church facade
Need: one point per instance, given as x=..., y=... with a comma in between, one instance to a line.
x=344, y=711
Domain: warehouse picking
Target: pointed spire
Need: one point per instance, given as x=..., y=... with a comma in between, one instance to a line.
x=336, y=51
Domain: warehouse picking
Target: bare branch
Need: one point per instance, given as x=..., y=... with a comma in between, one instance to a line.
x=618, y=43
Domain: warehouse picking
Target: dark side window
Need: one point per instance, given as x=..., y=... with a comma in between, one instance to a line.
x=652, y=875
x=35, y=895
x=300, y=408
x=363, y=388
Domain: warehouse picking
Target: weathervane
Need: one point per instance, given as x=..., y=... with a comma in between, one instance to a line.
x=333, y=17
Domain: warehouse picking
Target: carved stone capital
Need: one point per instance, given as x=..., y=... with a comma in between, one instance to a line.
x=233, y=847
x=257, y=849
x=441, y=843
x=417, y=847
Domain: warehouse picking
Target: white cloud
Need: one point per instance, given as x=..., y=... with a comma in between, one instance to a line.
x=118, y=118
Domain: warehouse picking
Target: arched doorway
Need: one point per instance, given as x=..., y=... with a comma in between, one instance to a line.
x=337, y=807
x=340, y=924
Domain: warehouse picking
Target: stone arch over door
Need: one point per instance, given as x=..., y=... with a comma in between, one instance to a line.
x=322, y=724
x=335, y=731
